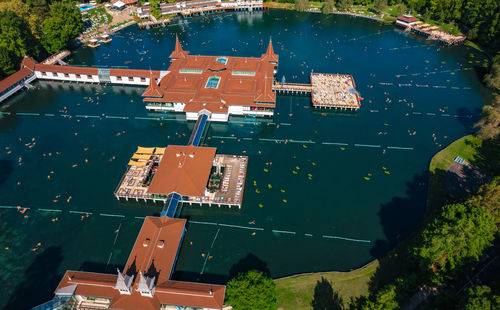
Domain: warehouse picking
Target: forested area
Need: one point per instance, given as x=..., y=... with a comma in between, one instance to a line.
x=36, y=28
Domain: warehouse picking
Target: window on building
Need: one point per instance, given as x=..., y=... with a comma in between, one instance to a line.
x=118, y=78
x=131, y=79
x=66, y=75
x=44, y=73
x=143, y=79
x=78, y=76
x=89, y=76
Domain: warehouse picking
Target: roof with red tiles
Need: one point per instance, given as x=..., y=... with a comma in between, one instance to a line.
x=152, y=257
x=184, y=170
x=408, y=18
x=243, y=81
x=26, y=69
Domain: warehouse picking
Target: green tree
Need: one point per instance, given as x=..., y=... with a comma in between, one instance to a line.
x=453, y=239
x=488, y=196
x=63, y=24
x=343, y=5
x=480, y=298
x=379, y=5
x=490, y=120
x=328, y=7
x=385, y=299
x=302, y=5
x=251, y=290
x=155, y=8
x=15, y=36
x=24, y=11
x=7, y=66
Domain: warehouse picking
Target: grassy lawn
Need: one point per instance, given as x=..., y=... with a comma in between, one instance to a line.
x=297, y=292
x=466, y=147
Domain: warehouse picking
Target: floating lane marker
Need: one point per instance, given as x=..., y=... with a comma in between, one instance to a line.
x=271, y=140
x=80, y=212
x=117, y=117
x=308, y=235
x=346, y=239
x=244, y=227
x=417, y=113
x=88, y=116
x=399, y=148
x=5, y=113
x=283, y=232
x=205, y=223
x=334, y=143
x=247, y=139
x=367, y=145
x=113, y=215
x=286, y=124
x=445, y=114
x=48, y=114
x=431, y=113
x=50, y=210
x=301, y=141
x=222, y=137
x=140, y=217
x=12, y=207
x=28, y=114
x=147, y=118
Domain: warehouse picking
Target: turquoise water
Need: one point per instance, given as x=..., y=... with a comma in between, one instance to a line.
x=350, y=188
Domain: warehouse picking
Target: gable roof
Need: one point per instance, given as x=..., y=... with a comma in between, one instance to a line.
x=178, y=51
x=153, y=90
x=184, y=170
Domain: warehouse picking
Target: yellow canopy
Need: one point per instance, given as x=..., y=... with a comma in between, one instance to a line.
x=417, y=22
x=434, y=27
x=137, y=163
x=160, y=150
x=145, y=150
x=425, y=25
x=139, y=156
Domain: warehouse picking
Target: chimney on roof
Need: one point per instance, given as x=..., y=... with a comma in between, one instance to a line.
x=124, y=283
x=146, y=285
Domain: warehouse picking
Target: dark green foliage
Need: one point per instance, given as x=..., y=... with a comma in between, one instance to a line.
x=343, y=5
x=302, y=5
x=63, y=24
x=15, y=41
x=385, y=299
x=480, y=298
x=328, y=7
x=457, y=237
x=251, y=290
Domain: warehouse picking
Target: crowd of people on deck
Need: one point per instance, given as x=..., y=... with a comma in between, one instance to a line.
x=334, y=90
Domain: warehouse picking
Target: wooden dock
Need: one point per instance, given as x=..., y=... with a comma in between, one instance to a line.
x=292, y=88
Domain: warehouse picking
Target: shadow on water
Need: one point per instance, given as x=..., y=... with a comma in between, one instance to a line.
x=325, y=298
x=40, y=279
x=400, y=216
x=250, y=262
x=6, y=168
x=468, y=117
x=100, y=267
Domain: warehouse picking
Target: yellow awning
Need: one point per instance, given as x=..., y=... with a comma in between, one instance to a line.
x=137, y=163
x=425, y=25
x=140, y=156
x=145, y=150
x=417, y=22
x=160, y=150
x=434, y=27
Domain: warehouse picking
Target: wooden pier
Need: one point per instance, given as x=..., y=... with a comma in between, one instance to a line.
x=292, y=88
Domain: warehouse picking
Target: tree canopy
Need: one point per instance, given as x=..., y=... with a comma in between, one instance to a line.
x=455, y=238
x=480, y=298
x=328, y=7
x=64, y=23
x=251, y=290
x=302, y=5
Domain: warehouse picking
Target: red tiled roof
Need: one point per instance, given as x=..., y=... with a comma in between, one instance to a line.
x=66, y=69
x=14, y=78
x=270, y=55
x=184, y=170
x=153, y=90
x=153, y=261
x=134, y=73
x=181, y=85
x=178, y=52
x=408, y=19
